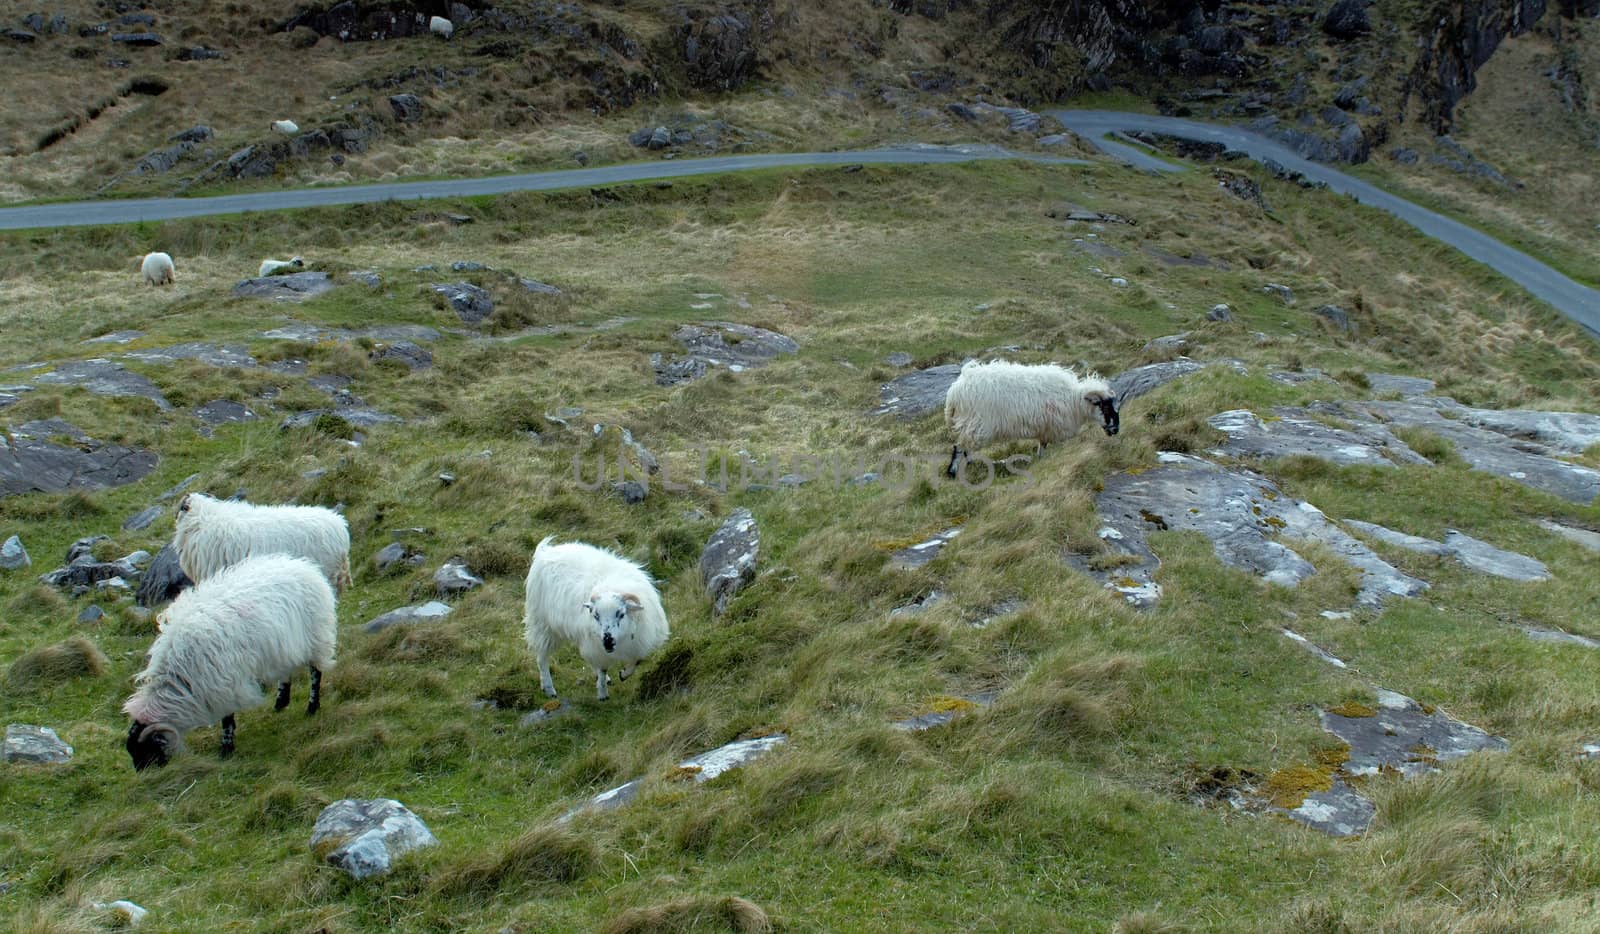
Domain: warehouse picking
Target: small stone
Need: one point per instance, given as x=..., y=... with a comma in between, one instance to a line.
x=1282, y=292
x=632, y=491
x=26, y=743
x=445, y=479
x=124, y=912
x=453, y=579
x=549, y=711
x=143, y=519
x=365, y=837
x=1119, y=282
x=391, y=554
x=91, y=614
x=14, y=557
x=1219, y=312
x=728, y=563
x=898, y=358
x=431, y=610
x=1338, y=317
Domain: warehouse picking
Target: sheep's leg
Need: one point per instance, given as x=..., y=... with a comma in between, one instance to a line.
x=601, y=679
x=956, y=455
x=545, y=682
x=283, y=695
x=315, y=704
x=228, y=727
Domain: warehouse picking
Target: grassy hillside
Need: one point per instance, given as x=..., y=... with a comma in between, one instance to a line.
x=1066, y=805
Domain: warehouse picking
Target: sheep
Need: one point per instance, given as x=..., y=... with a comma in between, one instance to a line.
x=286, y=127
x=1004, y=401
x=157, y=269
x=603, y=602
x=255, y=622
x=212, y=534
x=441, y=27
x=271, y=266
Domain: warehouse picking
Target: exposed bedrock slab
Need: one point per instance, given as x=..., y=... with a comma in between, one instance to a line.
x=728, y=563
x=217, y=355
x=1131, y=384
x=1569, y=432
x=1385, y=383
x=1584, y=537
x=1295, y=432
x=1341, y=811
x=1527, y=462
x=720, y=344
x=310, y=333
x=297, y=287
x=1243, y=514
x=701, y=768
x=29, y=464
x=915, y=556
x=1538, y=634
x=406, y=615
x=1478, y=555
x=103, y=378
x=1404, y=737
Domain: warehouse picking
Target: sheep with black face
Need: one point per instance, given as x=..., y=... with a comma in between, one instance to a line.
x=1003, y=401
x=597, y=599
x=257, y=621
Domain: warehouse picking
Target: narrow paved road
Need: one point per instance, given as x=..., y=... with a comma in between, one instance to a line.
x=86, y=213
x=1573, y=299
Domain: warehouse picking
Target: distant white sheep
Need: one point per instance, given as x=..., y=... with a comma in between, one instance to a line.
x=440, y=26
x=157, y=269
x=257, y=622
x=603, y=602
x=271, y=266
x=286, y=127
x=1004, y=401
x=212, y=534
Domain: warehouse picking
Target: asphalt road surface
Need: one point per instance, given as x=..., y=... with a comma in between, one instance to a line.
x=1573, y=299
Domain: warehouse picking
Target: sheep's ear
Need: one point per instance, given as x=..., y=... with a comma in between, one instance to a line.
x=588, y=607
x=632, y=600
x=183, y=504
x=1095, y=396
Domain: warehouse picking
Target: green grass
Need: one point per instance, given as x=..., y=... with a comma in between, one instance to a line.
x=1062, y=806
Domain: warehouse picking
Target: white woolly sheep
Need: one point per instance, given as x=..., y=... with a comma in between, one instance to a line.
x=286, y=127
x=270, y=266
x=440, y=26
x=1003, y=401
x=157, y=269
x=256, y=622
x=212, y=534
x=603, y=602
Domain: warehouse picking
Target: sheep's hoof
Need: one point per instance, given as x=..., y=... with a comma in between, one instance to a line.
x=312, y=708
x=226, y=752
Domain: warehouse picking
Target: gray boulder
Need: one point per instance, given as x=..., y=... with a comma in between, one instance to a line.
x=14, y=557
x=163, y=580
x=1403, y=736
x=40, y=744
x=453, y=579
x=407, y=108
x=1220, y=312
x=471, y=303
x=1131, y=384
x=728, y=563
x=297, y=287
x=365, y=837
x=406, y=615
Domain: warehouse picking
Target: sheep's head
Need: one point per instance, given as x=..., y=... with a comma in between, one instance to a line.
x=1107, y=404
x=152, y=744
x=610, y=612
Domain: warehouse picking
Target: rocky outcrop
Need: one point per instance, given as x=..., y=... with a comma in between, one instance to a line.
x=29, y=463
x=721, y=48
x=1461, y=39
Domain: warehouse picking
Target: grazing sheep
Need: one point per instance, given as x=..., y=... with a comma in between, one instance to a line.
x=442, y=27
x=212, y=534
x=286, y=127
x=157, y=269
x=1003, y=401
x=603, y=602
x=271, y=266
x=253, y=623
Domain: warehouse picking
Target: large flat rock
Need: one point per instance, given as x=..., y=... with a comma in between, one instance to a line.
x=1243, y=514
x=917, y=393
x=103, y=378
x=713, y=344
x=217, y=355
x=297, y=287
x=1296, y=432
x=30, y=464
x=1402, y=736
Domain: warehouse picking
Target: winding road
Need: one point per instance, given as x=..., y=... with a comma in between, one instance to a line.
x=1573, y=299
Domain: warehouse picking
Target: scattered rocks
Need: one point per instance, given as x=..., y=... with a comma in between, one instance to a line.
x=14, y=557
x=82, y=570
x=898, y=358
x=1293, y=432
x=918, y=606
x=1485, y=558
x=1242, y=513
x=90, y=614
x=137, y=39
x=408, y=615
x=409, y=353
x=163, y=580
x=368, y=278
x=1171, y=343
x=365, y=837
x=1568, y=432
x=224, y=356
x=39, y=744
x=103, y=378
x=701, y=768
x=355, y=416
x=632, y=491
x=1558, y=636
x=297, y=287
x=453, y=579
x=1316, y=650
x=1386, y=383
x=1340, y=811
x=123, y=912
x=547, y=712
x=728, y=563
x=471, y=303
x=720, y=344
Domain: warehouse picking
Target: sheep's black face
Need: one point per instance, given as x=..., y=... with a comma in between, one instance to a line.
x=1109, y=416
x=147, y=747
x=610, y=613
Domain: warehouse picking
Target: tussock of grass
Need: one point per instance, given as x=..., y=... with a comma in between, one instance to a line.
x=544, y=856
x=52, y=665
x=686, y=915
